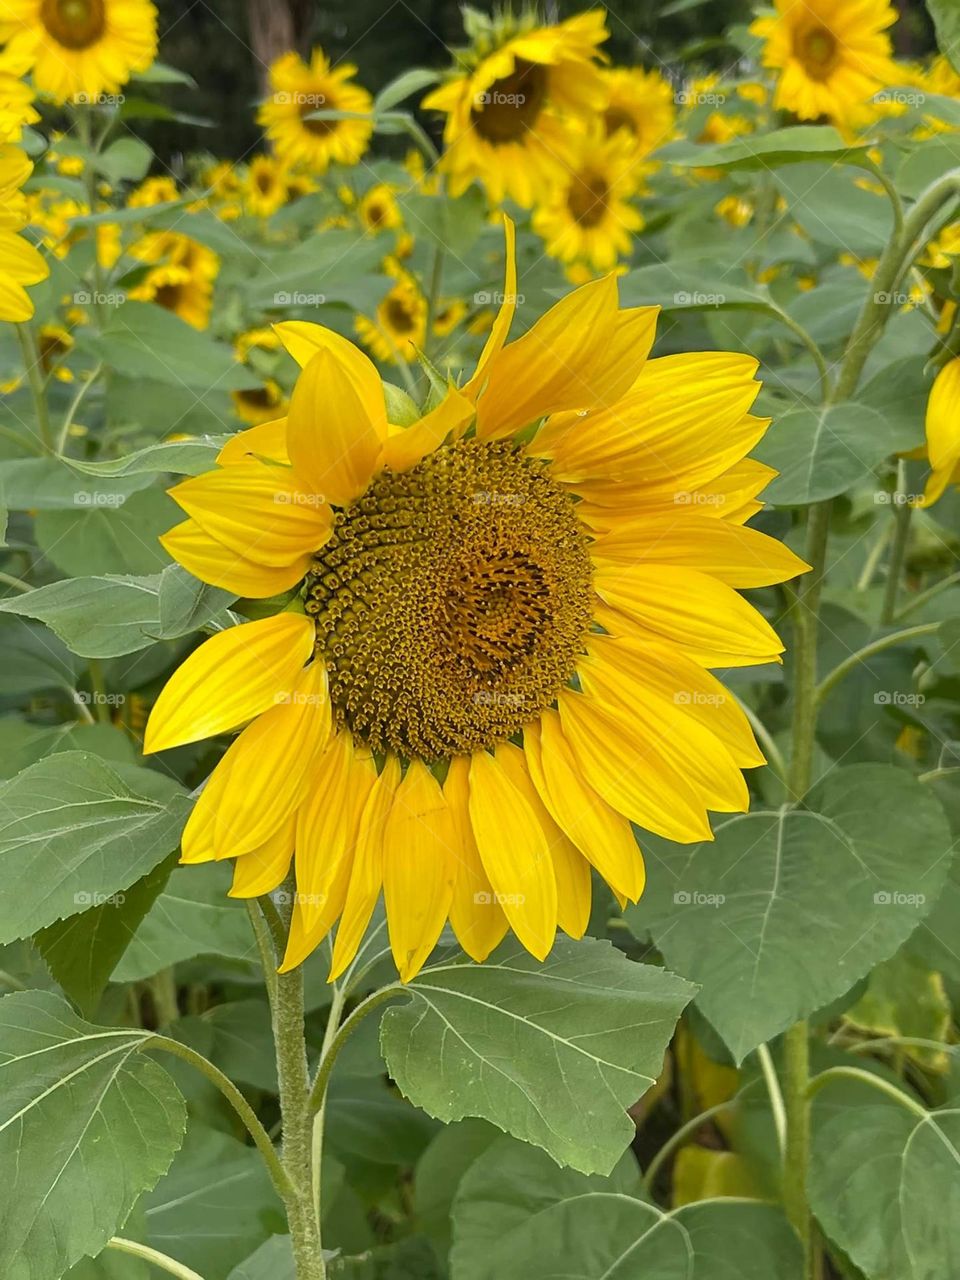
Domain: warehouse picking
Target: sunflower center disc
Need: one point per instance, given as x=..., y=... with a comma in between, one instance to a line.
x=75, y=24
x=509, y=108
x=818, y=52
x=451, y=601
x=587, y=200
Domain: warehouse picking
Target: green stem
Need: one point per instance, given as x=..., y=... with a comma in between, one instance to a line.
x=818, y=358
x=18, y=584
x=776, y=1097
x=893, y=196
x=163, y=992
x=101, y=708
x=75, y=403
x=901, y=536
x=35, y=379
x=874, y=557
x=774, y=754
x=338, y=999
x=154, y=1256
x=806, y=610
x=831, y=680
x=866, y=1077
x=796, y=1060
x=917, y=601
x=318, y=1092
x=236, y=1099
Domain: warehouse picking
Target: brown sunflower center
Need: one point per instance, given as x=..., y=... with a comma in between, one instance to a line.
x=75, y=24
x=817, y=49
x=506, y=110
x=169, y=296
x=312, y=102
x=399, y=316
x=587, y=199
x=452, y=601
x=614, y=119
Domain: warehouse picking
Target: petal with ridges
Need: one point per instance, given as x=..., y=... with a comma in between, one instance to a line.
x=261, y=870
x=475, y=915
x=212, y=562
x=229, y=679
x=406, y=447
x=266, y=440
x=504, y=319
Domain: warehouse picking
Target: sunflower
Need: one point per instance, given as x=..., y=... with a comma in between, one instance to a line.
x=79, y=49
x=181, y=277
x=259, y=404
x=588, y=216
x=497, y=652
x=20, y=262
x=512, y=113
x=642, y=104
x=832, y=55
x=265, y=187
x=942, y=429
x=54, y=343
x=16, y=107
x=379, y=210
x=301, y=89
x=400, y=323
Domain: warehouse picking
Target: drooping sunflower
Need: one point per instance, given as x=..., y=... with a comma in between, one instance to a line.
x=511, y=113
x=79, y=49
x=399, y=325
x=497, y=652
x=21, y=263
x=588, y=217
x=299, y=90
x=832, y=55
x=642, y=104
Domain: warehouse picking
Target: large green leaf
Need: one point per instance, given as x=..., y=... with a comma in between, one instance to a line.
x=829, y=205
x=272, y=1261
x=785, y=910
x=76, y=832
x=822, y=452
x=149, y=342
x=885, y=1183
x=52, y=484
x=553, y=1053
x=946, y=19
x=793, y=145
x=85, y=1127
x=115, y=537
x=180, y=457
x=95, y=617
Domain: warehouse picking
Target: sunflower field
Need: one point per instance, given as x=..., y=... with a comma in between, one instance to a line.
x=480, y=633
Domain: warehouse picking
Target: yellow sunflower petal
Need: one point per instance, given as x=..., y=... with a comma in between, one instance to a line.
x=197, y=842
x=508, y=306
x=266, y=440
x=419, y=868
x=212, y=562
x=571, y=869
x=257, y=511
x=406, y=447
x=336, y=425
x=603, y=835
x=943, y=418
x=261, y=870
x=229, y=679
x=513, y=849
x=475, y=915
x=271, y=765
x=366, y=876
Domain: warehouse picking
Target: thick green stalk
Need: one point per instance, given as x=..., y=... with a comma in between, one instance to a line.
x=35, y=379
x=898, y=550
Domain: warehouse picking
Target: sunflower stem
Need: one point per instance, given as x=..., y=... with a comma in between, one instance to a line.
x=902, y=510
x=35, y=379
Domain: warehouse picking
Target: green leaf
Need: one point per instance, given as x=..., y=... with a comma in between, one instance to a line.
x=441, y=1168
x=82, y=951
x=272, y=1261
x=161, y=73
x=111, y=536
x=147, y=341
x=833, y=210
x=192, y=917
x=215, y=1206
x=402, y=409
x=553, y=1053
x=453, y=224
x=180, y=457
x=690, y=285
x=793, y=145
x=125, y=160
x=946, y=20
x=95, y=617
x=784, y=911
x=52, y=484
x=86, y=1126
x=241, y=1044
x=820, y=453
x=892, y=1205
x=75, y=832
x=34, y=660
x=405, y=84
x=186, y=604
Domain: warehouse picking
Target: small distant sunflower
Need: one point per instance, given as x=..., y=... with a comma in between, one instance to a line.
x=259, y=404
x=942, y=430
x=264, y=188
x=301, y=88
x=379, y=210
x=181, y=279
x=449, y=313
x=509, y=115
x=21, y=263
x=400, y=324
x=497, y=654
x=588, y=217
x=79, y=49
x=832, y=55
x=641, y=103
x=156, y=190
x=53, y=344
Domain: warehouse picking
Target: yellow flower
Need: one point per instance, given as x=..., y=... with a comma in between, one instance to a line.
x=509, y=117
x=16, y=107
x=942, y=430
x=299, y=89
x=20, y=261
x=587, y=217
x=265, y=186
x=400, y=324
x=379, y=210
x=151, y=191
x=78, y=49
x=181, y=279
x=449, y=313
x=498, y=657
x=53, y=344
x=735, y=209
x=261, y=339
x=260, y=404
x=831, y=55
x=640, y=102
